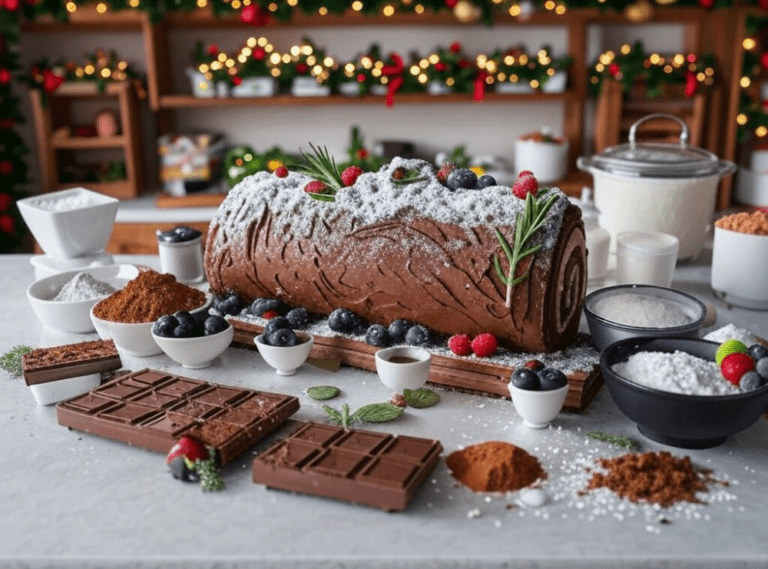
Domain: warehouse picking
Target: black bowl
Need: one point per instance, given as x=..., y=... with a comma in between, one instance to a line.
x=677, y=419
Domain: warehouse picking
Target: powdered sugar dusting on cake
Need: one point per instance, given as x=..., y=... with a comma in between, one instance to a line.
x=374, y=198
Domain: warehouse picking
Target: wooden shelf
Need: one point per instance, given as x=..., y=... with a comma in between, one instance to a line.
x=122, y=189
x=87, y=142
x=188, y=101
x=87, y=19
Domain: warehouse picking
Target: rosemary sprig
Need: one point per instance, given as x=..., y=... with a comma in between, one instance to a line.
x=618, y=440
x=11, y=361
x=321, y=166
x=527, y=224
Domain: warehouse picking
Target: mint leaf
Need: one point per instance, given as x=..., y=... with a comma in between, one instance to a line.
x=333, y=414
x=420, y=398
x=378, y=413
x=323, y=392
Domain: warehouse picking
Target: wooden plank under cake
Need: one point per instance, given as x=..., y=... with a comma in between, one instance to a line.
x=470, y=375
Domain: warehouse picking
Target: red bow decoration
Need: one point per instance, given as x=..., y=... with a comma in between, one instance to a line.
x=10, y=5
x=51, y=81
x=395, y=74
x=479, y=92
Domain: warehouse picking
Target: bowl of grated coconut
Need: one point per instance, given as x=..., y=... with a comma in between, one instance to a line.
x=627, y=311
x=672, y=388
x=63, y=301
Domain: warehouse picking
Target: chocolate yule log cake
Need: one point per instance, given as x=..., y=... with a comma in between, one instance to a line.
x=399, y=247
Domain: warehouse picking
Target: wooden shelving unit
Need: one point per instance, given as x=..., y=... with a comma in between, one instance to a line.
x=52, y=118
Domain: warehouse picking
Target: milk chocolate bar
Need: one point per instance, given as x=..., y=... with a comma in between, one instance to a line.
x=365, y=467
x=44, y=365
x=153, y=409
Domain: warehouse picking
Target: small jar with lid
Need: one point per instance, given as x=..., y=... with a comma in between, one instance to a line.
x=598, y=238
x=181, y=253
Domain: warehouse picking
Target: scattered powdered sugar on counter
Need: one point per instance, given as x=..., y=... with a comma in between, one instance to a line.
x=731, y=332
x=678, y=372
x=640, y=310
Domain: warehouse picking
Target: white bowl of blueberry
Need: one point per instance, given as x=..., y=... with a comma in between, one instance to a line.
x=538, y=394
x=282, y=347
x=194, y=343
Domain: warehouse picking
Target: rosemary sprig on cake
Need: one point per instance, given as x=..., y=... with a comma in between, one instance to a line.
x=527, y=223
x=327, y=178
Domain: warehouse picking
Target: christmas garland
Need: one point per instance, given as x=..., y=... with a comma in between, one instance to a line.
x=753, y=105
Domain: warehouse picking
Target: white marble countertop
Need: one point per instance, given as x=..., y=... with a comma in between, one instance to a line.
x=75, y=500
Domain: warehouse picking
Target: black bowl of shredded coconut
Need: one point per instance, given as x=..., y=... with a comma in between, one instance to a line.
x=672, y=388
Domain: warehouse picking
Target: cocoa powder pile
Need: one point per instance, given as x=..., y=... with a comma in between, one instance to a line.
x=655, y=477
x=148, y=297
x=494, y=467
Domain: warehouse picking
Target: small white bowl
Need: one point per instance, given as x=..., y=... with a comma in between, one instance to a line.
x=73, y=316
x=70, y=223
x=740, y=268
x=196, y=353
x=402, y=367
x=538, y=408
x=286, y=359
x=55, y=391
x=133, y=339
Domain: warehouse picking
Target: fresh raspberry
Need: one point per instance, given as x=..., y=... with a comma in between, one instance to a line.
x=460, y=344
x=484, y=345
x=736, y=365
x=444, y=171
x=188, y=447
x=281, y=171
x=533, y=365
x=269, y=314
x=525, y=173
x=525, y=185
x=315, y=187
x=349, y=175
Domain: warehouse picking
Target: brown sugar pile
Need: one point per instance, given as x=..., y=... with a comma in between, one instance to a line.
x=494, y=467
x=656, y=477
x=148, y=297
x=755, y=223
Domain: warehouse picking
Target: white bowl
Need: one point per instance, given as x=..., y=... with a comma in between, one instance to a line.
x=73, y=316
x=403, y=367
x=740, y=268
x=286, y=359
x=133, y=339
x=537, y=408
x=196, y=353
x=55, y=391
x=70, y=223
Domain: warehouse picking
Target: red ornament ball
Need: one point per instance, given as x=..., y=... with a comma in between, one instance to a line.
x=236, y=80
x=213, y=49
x=5, y=202
x=707, y=4
x=259, y=53
x=6, y=167
x=5, y=76
x=764, y=60
x=7, y=223
x=451, y=3
x=455, y=47
x=614, y=69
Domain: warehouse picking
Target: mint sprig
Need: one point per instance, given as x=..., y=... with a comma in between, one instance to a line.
x=11, y=360
x=527, y=224
x=373, y=413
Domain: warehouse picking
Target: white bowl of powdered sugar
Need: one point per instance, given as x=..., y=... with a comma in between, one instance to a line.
x=64, y=301
x=628, y=311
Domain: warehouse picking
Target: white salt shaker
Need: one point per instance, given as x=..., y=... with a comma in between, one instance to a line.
x=598, y=238
x=181, y=253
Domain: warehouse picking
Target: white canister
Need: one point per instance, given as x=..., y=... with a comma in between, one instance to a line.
x=181, y=258
x=598, y=238
x=740, y=268
x=255, y=87
x=548, y=160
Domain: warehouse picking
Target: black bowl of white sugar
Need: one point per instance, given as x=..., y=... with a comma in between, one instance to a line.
x=627, y=311
x=673, y=389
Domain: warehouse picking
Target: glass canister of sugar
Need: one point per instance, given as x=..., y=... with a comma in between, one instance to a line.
x=181, y=253
x=598, y=238
x=646, y=257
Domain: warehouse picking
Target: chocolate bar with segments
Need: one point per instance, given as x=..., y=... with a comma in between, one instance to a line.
x=365, y=467
x=44, y=365
x=154, y=409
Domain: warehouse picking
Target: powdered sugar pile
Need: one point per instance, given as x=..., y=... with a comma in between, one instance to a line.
x=640, y=310
x=83, y=287
x=69, y=202
x=731, y=332
x=374, y=198
x=678, y=372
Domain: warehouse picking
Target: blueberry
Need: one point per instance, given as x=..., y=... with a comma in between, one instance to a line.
x=298, y=318
x=231, y=305
x=524, y=378
x=377, y=335
x=757, y=352
x=164, y=326
x=185, y=330
x=186, y=233
x=417, y=335
x=167, y=236
x=180, y=470
x=398, y=329
x=486, y=181
x=761, y=367
x=343, y=320
x=462, y=178
x=552, y=378
x=276, y=323
x=262, y=305
x=185, y=316
x=751, y=381
x=283, y=337
x=214, y=324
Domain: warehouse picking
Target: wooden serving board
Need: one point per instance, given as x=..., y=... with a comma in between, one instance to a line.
x=466, y=374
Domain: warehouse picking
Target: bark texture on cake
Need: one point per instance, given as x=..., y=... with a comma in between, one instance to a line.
x=385, y=251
